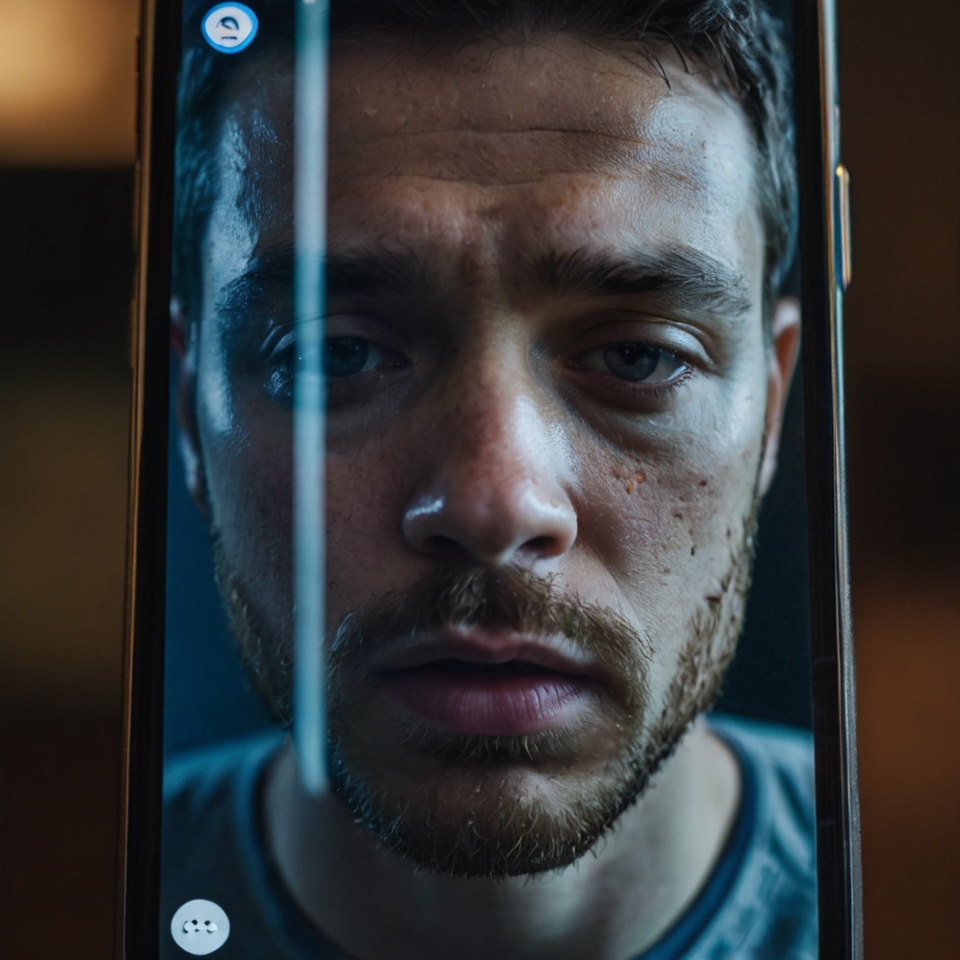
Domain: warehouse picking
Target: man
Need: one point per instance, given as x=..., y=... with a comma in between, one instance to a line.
x=556, y=368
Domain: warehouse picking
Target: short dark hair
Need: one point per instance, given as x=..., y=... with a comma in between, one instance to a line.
x=740, y=39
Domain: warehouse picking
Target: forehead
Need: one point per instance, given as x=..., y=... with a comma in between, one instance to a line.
x=503, y=143
x=552, y=104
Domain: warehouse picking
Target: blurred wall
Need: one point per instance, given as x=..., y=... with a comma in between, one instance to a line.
x=66, y=82
x=66, y=109
x=900, y=89
x=66, y=147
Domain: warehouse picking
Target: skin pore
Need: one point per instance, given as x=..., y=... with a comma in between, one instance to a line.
x=546, y=303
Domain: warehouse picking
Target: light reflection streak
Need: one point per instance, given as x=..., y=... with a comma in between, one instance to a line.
x=310, y=180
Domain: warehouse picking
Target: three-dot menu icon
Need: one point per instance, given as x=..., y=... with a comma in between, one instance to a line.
x=200, y=927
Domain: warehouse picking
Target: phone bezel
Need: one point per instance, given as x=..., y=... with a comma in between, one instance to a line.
x=822, y=277
x=158, y=63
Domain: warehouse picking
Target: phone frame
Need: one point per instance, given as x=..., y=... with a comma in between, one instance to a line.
x=824, y=274
x=825, y=270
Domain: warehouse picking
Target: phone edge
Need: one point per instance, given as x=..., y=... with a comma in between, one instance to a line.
x=158, y=62
x=825, y=271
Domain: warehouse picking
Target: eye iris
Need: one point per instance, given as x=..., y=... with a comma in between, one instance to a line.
x=344, y=356
x=631, y=361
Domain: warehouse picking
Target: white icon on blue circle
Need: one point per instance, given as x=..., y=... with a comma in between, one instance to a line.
x=200, y=927
x=230, y=27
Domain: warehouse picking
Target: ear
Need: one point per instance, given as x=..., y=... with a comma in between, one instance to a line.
x=183, y=341
x=782, y=358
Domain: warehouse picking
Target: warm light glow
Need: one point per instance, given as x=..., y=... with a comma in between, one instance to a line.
x=67, y=81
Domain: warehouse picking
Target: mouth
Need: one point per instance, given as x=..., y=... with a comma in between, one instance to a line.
x=479, y=683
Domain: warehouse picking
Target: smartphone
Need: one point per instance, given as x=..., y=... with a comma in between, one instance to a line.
x=488, y=583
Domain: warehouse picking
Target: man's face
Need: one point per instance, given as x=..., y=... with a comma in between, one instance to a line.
x=549, y=401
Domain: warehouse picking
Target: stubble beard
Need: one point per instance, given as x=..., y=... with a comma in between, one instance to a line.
x=500, y=806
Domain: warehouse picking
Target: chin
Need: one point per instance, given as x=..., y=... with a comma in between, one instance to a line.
x=491, y=807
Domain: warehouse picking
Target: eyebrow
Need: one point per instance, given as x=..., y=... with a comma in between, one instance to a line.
x=355, y=271
x=690, y=280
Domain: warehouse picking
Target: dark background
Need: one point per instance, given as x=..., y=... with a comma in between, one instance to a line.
x=65, y=265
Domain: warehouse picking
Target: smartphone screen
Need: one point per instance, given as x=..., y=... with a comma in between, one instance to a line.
x=489, y=588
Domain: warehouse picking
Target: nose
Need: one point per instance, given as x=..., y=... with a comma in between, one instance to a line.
x=496, y=492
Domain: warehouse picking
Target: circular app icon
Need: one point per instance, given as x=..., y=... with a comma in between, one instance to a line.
x=200, y=927
x=230, y=27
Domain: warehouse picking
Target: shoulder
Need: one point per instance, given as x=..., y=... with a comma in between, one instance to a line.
x=211, y=844
x=771, y=909
x=210, y=801
x=202, y=782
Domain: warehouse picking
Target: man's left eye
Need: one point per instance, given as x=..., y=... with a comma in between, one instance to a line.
x=348, y=356
x=635, y=362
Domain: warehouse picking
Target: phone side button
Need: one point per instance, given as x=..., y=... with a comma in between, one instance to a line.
x=845, y=253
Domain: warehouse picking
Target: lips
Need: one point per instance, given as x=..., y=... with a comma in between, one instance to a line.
x=475, y=682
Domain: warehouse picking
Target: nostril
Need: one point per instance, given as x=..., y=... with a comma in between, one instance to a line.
x=542, y=546
x=444, y=548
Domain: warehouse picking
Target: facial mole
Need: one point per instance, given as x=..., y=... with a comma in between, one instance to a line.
x=630, y=476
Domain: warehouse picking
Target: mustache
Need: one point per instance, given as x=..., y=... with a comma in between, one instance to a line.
x=506, y=598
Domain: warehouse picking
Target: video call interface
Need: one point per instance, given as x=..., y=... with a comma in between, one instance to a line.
x=486, y=596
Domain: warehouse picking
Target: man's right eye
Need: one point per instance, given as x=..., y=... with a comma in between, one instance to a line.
x=349, y=356
x=344, y=357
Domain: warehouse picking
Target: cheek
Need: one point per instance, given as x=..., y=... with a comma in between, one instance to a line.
x=673, y=519
x=364, y=510
x=249, y=467
x=666, y=520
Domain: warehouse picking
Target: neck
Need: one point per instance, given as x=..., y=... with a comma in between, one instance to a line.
x=610, y=905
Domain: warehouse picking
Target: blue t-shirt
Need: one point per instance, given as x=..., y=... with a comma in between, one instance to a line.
x=759, y=902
